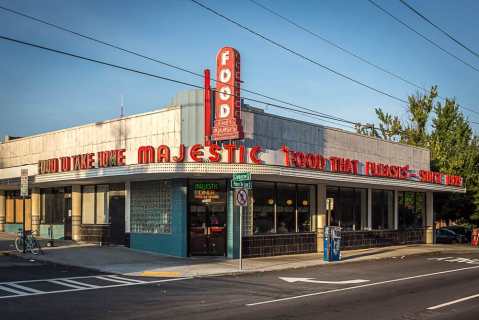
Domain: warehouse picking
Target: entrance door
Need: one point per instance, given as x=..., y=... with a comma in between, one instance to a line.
x=207, y=218
x=67, y=216
x=117, y=219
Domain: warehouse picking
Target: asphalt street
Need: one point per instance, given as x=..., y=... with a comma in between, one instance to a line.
x=417, y=287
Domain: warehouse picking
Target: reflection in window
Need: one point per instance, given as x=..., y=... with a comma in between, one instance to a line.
x=382, y=209
x=411, y=207
x=305, y=207
x=263, y=207
x=282, y=207
x=349, y=207
x=102, y=204
x=88, y=205
x=285, y=208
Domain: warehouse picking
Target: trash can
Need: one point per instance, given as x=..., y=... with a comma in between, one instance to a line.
x=332, y=243
x=475, y=237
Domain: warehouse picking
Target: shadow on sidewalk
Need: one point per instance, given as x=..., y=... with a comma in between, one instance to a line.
x=368, y=253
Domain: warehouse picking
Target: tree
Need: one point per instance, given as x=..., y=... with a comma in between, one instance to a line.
x=454, y=148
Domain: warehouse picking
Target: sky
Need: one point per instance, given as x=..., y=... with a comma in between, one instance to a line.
x=42, y=91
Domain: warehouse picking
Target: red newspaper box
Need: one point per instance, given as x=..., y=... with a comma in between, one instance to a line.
x=475, y=237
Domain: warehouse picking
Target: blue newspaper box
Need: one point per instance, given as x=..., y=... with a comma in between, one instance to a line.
x=332, y=243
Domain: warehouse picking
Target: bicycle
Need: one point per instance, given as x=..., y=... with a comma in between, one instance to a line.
x=31, y=243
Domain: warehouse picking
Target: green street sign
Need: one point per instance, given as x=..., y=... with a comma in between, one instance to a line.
x=241, y=184
x=243, y=176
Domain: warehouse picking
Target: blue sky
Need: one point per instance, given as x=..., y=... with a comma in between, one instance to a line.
x=41, y=91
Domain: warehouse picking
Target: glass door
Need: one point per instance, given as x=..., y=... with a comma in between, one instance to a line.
x=207, y=218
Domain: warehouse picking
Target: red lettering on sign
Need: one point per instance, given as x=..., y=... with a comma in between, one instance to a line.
x=146, y=154
x=254, y=155
x=230, y=148
x=181, y=154
x=163, y=154
x=227, y=125
x=214, y=151
x=196, y=153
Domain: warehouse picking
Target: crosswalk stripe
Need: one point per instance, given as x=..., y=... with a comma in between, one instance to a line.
x=27, y=289
x=20, y=293
x=87, y=285
x=126, y=279
x=66, y=284
x=113, y=280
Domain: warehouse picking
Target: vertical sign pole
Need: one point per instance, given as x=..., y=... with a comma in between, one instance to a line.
x=207, y=107
x=241, y=238
x=23, y=225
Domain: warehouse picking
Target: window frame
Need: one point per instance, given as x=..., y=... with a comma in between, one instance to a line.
x=312, y=209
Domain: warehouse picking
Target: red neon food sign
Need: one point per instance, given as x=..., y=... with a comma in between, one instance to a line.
x=227, y=125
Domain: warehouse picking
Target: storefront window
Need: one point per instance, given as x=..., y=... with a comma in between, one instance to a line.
x=306, y=206
x=95, y=201
x=263, y=207
x=282, y=207
x=349, y=209
x=52, y=205
x=14, y=207
x=286, y=208
x=102, y=216
x=10, y=207
x=151, y=207
x=411, y=207
x=88, y=205
x=382, y=209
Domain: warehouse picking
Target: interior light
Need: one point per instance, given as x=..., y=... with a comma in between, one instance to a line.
x=270, y=201
x=289, y=202
x=305, y=203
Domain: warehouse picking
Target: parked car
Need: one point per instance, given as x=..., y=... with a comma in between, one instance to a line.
x=445, y=235
x=462, y=230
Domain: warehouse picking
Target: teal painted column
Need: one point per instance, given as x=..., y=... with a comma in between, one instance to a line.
x=179, y=221
x=233, y=236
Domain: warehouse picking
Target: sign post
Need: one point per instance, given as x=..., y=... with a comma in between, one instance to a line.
x=241, y=183
x=24, y=194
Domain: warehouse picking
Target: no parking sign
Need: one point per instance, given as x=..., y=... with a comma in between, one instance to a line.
x=241, y=198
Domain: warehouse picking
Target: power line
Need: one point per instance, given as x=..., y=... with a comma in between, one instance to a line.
x=439, y=28
x=423, y=36
x=291, y=51
x=159, y=77
x=136, y=53
x=335, y=45
x=347, y=51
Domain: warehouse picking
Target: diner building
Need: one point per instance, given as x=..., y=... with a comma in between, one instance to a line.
x=162, y=180
x=154, y=181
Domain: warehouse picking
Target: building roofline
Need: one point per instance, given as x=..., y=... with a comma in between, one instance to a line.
x=260, y=111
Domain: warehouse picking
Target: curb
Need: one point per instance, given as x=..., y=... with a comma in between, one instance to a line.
x=320, y=263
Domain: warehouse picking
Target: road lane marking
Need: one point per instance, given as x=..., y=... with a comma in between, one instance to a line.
x=7, y=289
x=41, y=280
x=65, y=284
x=125, y=279
x=160, y=274
x=359, y=286
x=456, y=259
x=453, y=302
x=113, y=280
x=23, y=294
x=27, y=289
x=311, y=280
x=81, y=284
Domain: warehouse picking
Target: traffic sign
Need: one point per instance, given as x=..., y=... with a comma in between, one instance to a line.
x=241, y=198
x=243, y=176
x=24, y=183
x=241, y=184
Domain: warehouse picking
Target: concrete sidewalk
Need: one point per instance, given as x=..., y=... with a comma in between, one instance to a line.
x=121, y=260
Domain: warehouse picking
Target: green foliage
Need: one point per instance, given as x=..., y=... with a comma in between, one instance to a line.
x=443, y=129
